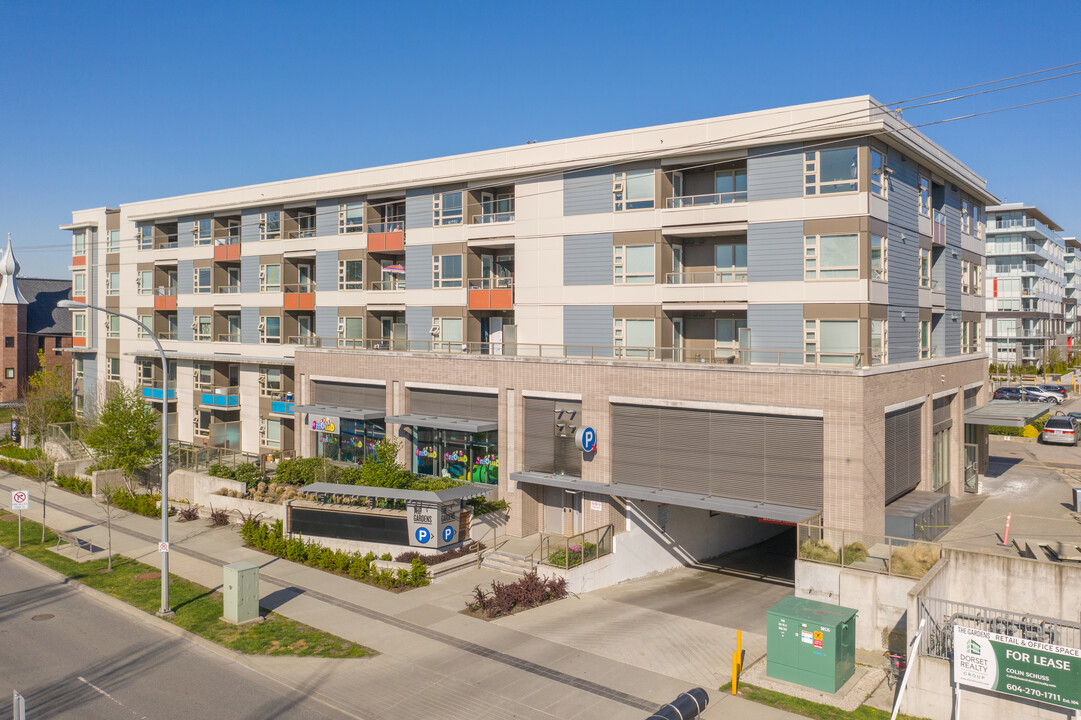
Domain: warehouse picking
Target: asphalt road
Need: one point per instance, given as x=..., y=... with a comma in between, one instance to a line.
x=74, y=658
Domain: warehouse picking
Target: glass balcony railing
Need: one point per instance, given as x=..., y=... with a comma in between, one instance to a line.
x=708, y=277
x=495, y=217
x=220, y=397
x=387, y=227
x=229, y=337
x=380, y=285
x=228, y=289
x=155, y=391
x=684, y=201
x=304, y=287
x=283, y=406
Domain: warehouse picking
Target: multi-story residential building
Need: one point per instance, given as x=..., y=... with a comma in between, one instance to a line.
x=1071, y=328
x=1026, y=276
x=761, y=318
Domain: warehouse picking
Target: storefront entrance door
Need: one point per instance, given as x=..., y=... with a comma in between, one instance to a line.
x=553, y=510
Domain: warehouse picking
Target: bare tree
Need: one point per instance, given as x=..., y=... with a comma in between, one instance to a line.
x=47, y=400
x=108, y=489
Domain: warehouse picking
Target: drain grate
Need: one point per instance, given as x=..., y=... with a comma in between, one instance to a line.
x=43, y=616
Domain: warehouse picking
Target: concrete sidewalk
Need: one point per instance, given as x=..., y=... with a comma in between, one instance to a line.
x=435, y=662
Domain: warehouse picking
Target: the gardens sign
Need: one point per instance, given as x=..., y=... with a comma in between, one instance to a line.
x=1022, y=668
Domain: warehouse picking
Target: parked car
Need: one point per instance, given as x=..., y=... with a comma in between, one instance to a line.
x=1060, y=389
x=1060, y=429
x=1075, y=415
x=1017, y=394
x=1044, y=395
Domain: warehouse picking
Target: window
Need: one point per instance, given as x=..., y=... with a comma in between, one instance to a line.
x=146, y=372
x=270, y=226
x=925, y=269
x=979, y=220
x=878, y=258
x=78, y=284
x=726, y=332
x=966, y=215
x=970, y=340
x=925, y=339
x=350, y=217
x=112, y=326
x=633, y=190
x=940, y=460
x=976, y=284
x=730, y=185
x=79, y=241
x=201, y=423
x=146, y=237
x=448, y=333
x=203, y=231
x=147, y=320
x=270, y=381
x=878, y=342
x=350, y=328
x=832, y=342
x=636, y=337
x=350, y=274
x=925, y=196
x=112, y=241
x=731, y=262
x=112, y=283
x=114, y=369
x=878, y=173
x=832, y=257
x=79, y=368
x=78, y=321
x=144, y=282
x=270, y=432
x=204, y=375
x=201, y=280
x=966, y=277
x=270, y=278
x=447, y=208
x=201, y=328
x=633, y=264
x=270, y=330
x=9, y=373
x=447, y=271
x=831, y=171
x=9, y=341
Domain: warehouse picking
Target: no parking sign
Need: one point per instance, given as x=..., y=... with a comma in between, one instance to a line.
x=20, y=500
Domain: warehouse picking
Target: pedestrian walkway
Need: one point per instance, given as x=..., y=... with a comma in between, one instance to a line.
x=434, y=661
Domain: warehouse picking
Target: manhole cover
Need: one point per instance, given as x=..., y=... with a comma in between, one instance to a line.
x=43, y=616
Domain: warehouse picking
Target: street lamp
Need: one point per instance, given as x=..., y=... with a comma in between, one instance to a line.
x=165, y=611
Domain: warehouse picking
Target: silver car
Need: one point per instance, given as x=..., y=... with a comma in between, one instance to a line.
x=1060, y=429
x=1043, y=395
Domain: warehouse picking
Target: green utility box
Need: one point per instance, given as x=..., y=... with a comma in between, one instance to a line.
x=811, y=643
x=240, y=586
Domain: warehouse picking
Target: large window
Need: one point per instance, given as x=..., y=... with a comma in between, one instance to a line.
x=350, y=274
x=447, y=271
x=78, y=243
x=879, y=174
x=78, y=321
x=633, y=190
x=270, y=432
x=925, y=340
x=113, y=369
x=831, y=171
x=447, y=208
x=146, y=237
x=270, y=381
x=78, y=284
x=970, y=337
x=448, y=334
x=351, y=442
x=925, y=269
x=466, y=457
x=832, y=257
x=144, y=282
x=201, y=280
x=633, y=264
x=112, y=283
x=147, y=320
x=352, y=329
x=270, y=329
x=351, y=217
x=203, y=231
x=731, y=185
x=270, y=227
x=831, y=342
x=878, y=257
x=112, y=326
x=112, y=241
x=879, y=346
x=270, y=278
x=201, y=328
x=79, y=368
x=925, y=196
x=726, y=331
x=966, y=215
x=635, y=337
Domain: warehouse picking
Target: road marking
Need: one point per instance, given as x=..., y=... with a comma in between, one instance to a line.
x=84, y=680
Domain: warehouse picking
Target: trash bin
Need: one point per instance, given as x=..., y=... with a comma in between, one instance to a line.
x=811, y=643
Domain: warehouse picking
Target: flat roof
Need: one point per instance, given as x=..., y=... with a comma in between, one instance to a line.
x=337, y=411
x=459, y=492
x=1009, y=413
x=444, y=423
x=746, y=508
x=1030, y=210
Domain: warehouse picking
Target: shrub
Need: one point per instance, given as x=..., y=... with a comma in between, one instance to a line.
x=913, y=560
x=305, y=471
x=219, y=517
x=573, y=556
x=819, y=551
x=386, y=556
x=483, y=507
x=528, y=591
x=855, y=552
x=189, y=513
x=140, y=504
x=73, y=484
x=219, y=470
x=413, y=555
x=247, y=473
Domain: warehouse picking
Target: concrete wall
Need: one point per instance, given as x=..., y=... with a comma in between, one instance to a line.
x=199, y=488
x=113, y=478
x=270, y=511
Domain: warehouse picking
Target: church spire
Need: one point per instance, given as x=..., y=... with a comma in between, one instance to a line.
x=9, y=286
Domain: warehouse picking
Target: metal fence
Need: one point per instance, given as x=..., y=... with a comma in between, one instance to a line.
x=201, y=458
x=942, y=615
x=864, y=551
x=568, y=552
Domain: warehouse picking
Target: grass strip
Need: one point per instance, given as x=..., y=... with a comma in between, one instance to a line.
x=806, y=708
x=198, y=609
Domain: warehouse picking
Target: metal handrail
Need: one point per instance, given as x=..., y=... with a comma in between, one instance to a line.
x=164, y=291
x=493, y=217
x=308, y=287
x=305, y=340
x=227, y=240
x=386, y=227
x=726, y=198
x=227, y=289
x=387, y=285
x=489, y=283
x=229, y=337
x=478, y=545
x=708, y=277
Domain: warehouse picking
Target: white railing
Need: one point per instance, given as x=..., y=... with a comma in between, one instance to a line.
x=683, y=201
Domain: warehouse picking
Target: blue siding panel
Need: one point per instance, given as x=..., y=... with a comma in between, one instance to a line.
x=904, y=192
x=775, y=172
x=249, y=224
x=903, y=334
x=952, y=257
x=326, y=321
x=588, y=325
x=249, y=273
x=418, y=267
x=249, y=325
x=418, y=320
x=326, y=217
x=184, y=317
x=185, y=228
x=903, y=252
x=326, y=270
x=587, y=259
x=184, y=277
x=587, y=192
x=775, y=251
x=418, y=208
x=776, y=328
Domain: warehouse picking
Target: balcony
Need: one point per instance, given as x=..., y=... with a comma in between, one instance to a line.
x=282, y=406
x=229, y=337
x=228, y=289
x=78, y=260
x=300, y=296
x=227, y=248
x=154, y=392
x=686, y=201
x=386, y=237
x=938, y=229
x=727, y=285
x=170, y=335
x=165, y=298
x=491, y=293
x=388, y=285
x=220, y=398
x=493, y=217
x=304, y=340
x=708, y=277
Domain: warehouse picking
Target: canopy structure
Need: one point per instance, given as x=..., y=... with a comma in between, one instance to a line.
x=1009, y=413
x=459, y=492
x=345, y=412
x=445, y=423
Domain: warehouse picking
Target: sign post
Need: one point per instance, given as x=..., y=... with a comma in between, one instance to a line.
x=20, y=500
x=18, y=704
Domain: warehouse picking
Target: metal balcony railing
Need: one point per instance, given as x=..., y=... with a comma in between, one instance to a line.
x=490, y=283
x=387, y=227
x=228, y=289
x=305, y=287
x=229, y=337
x=683, y=201
x=708, y=277
x=494, y=217
x=381, y=285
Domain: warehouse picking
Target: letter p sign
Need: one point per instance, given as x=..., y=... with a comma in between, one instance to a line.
x=423, y=535
x=585, y=438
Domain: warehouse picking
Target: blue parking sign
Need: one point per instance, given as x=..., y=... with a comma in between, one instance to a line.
x=448, y=534
x=423, y=535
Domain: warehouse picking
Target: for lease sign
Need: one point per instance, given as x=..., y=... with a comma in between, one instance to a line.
x=1013, y=666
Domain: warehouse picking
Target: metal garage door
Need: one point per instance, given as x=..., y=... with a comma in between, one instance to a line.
x=902, y=451
x=348, y=395
x=549, y=436
x=464, y=405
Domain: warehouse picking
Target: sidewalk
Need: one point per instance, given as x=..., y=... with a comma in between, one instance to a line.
x=435, y=662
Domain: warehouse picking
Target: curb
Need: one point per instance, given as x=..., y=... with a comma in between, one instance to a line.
x=157, y=623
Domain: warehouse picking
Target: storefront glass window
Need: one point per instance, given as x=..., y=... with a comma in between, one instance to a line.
x=350, y=442
x=467, y=457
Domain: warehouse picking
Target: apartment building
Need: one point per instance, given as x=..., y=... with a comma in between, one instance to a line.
x=1071, y=329
x=692, y=332
x=1026, y=288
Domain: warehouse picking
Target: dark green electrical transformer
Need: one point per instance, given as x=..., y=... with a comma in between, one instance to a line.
x=811, y=643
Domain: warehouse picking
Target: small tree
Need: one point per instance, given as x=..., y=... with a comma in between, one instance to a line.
x=47, y=401
x=126, y=433
x=382, y=469
x=107, y=491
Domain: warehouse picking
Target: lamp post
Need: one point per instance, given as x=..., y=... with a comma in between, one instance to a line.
x=165, y=610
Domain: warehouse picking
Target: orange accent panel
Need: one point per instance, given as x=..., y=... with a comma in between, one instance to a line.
x=79, y=298
x=386, y=242
x=502, y=299
x=78, y=259
x=78, y=342
x=226, y=252
x=480, y=299
x=165, y=302
x=299, y=301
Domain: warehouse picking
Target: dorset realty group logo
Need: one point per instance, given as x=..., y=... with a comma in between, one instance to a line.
x=974, y=659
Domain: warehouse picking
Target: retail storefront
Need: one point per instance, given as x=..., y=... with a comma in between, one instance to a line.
x=345, y=420
x=349, y=440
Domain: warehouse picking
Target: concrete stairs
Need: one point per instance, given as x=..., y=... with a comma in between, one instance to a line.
x=506, y=562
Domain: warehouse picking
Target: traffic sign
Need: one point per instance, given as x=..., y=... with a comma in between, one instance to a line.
x=20, y=500
x=448, y=534
x=163, y=547
x=423, y=535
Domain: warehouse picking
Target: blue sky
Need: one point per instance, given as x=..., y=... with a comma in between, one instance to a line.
x=103, y=103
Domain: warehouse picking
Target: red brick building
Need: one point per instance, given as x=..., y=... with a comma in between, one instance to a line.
x=30, y=322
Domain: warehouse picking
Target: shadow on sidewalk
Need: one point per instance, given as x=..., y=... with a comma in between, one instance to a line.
x=276, y=599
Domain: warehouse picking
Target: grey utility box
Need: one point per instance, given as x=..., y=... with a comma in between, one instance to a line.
x=1077, y=499
x=241, y=589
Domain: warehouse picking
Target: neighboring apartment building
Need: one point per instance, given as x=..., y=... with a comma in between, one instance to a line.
x=1026, y=284
x=763, y=318
x=31, y=325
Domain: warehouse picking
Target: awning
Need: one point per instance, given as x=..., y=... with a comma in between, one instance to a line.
x=746, y=508
x=342, y=412
x=444, y=423
x=1010, y=413
x=152, y=354
x=458, y=492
